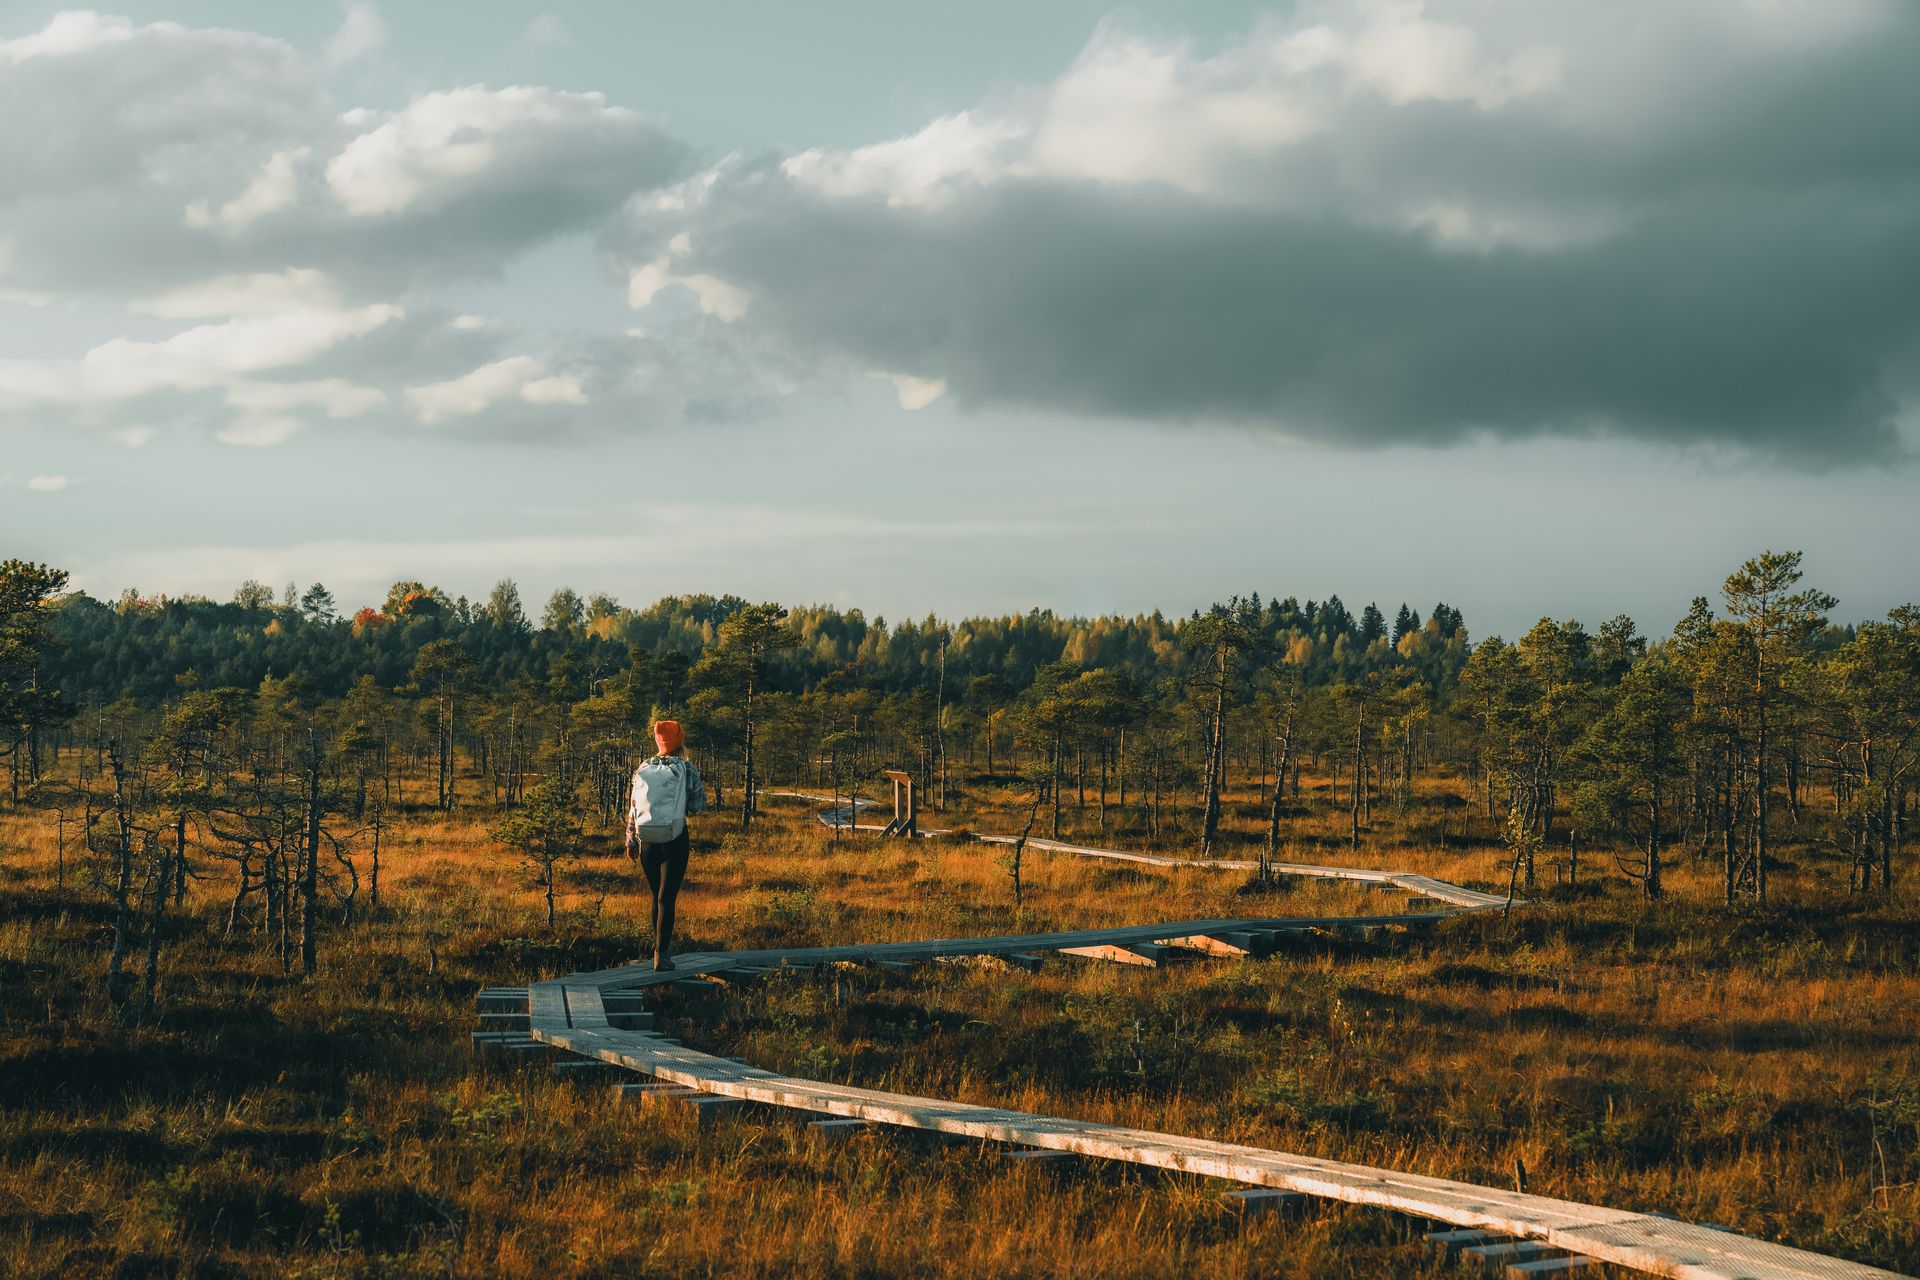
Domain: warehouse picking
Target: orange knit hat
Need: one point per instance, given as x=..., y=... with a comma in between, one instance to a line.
x=669, y=736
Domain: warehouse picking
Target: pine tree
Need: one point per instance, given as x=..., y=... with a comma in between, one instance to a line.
x=1223, y=636
x=1777, y=623
x=1445, y=620
x=546, y=831
x=27, y=706
x=317, y=604
x=737, y=665
x=1404, y=621
x=1373, y=624
x=1634, y=758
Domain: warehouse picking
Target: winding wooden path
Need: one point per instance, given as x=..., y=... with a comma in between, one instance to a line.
x=593, y=1015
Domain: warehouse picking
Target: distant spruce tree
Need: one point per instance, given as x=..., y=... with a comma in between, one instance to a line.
x=1334, y=619
x=1373, y=624
x=1404, y=621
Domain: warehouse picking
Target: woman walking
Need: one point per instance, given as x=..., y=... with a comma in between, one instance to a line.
x=666, y=789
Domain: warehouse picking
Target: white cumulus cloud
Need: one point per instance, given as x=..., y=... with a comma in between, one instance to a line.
x=259, y=433
x=362, y=31
x=431, y=151
x=222, y=356
x=253, y=293
x=276, y=187
x=716, y=297
x=521, y=378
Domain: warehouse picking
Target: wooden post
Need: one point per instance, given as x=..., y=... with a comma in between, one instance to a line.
x=906, y=805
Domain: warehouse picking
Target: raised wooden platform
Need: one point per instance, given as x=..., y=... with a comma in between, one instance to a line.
x=571, y=1014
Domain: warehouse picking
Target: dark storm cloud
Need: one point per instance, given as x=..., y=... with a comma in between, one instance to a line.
x=1772, y=328
x=1703, y=239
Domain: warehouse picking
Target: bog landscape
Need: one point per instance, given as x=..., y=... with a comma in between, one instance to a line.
x=960, y=639
x=269, y=938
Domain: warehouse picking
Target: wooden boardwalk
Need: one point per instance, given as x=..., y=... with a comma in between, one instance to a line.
x=571, y=1013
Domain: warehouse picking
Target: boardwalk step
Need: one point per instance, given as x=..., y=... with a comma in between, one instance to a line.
x=1147, y=955
x=1549, y=1267
x=709, y=1107
x=501, y=1000
x=503, y=1040
x=1034, y=1155
x=638, y=1090
x=1510, y=1251
x=1225, y=945
x=1451, y=1242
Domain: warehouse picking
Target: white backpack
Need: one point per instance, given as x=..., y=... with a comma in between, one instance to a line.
x=659, y=809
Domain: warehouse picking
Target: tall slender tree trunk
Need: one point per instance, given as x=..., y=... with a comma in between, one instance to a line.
x=1053, y=784
x=180, y=860
x=241, y=877
x=1726, y=830
x=1103, y=788
x=1216, y=761
x=1359, y=747
x=156, y=922
x=373, y=889
x=310, y=866
x=1652, y=883
x=123, y=888
x=1760, y=795
x=1285, y=759
x=748, y=784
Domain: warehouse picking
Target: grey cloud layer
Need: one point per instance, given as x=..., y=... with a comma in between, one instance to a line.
x=207, y=178
x=1692, y=228
x=1370, y=222
x=1768, y=330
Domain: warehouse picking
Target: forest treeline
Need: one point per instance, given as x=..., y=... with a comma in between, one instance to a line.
x=274, y=734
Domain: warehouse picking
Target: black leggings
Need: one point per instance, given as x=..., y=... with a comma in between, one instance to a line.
x=666, y=866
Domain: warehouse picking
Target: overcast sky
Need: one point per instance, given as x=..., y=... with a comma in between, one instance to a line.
x=1532, y=306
